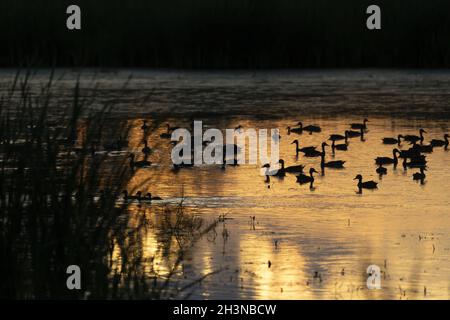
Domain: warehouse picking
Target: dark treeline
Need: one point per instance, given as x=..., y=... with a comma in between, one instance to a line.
x=225, y=34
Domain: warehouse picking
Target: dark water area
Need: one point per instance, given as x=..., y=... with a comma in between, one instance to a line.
x=319, y=241
x=413, y=94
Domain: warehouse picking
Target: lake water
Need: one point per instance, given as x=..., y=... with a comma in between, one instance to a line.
x=319, y=242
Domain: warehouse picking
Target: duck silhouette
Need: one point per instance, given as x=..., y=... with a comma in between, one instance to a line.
x=149, y=197
x=393, y=140
x=304, y=149
x=360, y=126
x=310, y=128
x=340, y=147
x=354, y=134
x=276, y=172
x=291, y=169
x=336, y=137
x=387, y=160
x=127, y=197
x=315, y=153
x=414, y=138
x=337, y=164
x=294, y=130
x=303, y=178
x=440, y=143
x=366, y=184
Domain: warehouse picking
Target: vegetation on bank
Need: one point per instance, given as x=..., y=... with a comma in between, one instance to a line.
x=59, y=206
x=226, y=34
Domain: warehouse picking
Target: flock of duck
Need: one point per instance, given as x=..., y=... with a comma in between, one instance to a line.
x=413, y=157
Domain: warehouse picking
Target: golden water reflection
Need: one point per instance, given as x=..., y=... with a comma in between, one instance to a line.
x=319, y=243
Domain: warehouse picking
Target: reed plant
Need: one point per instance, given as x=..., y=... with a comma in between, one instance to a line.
x=59, y=204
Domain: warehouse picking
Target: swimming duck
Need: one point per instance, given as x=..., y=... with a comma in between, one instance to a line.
x=310, y=128
x=381, y=170
x=440, y=143
x=354, y=134
x=331, y=164
x=387, y=160
x=315, y=153
x=138, y=164
x=304, y=149
x=146, y=150
x=360, y=125
x=367, y=184
x=291, y=169
x=281, y=172
x=412, y=152
x=336, y=137
x=414, y=138
x=148, y=197
x=341, y=147
x=303, y=178
x=415, y=162
x=425, y=148
x=127, y=197
x=294, y=130
x=393, y=140
x=420, y=175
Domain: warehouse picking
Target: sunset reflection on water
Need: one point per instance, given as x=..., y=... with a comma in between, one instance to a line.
x=319, y=243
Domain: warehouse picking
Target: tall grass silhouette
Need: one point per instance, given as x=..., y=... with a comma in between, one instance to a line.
x=59, y=205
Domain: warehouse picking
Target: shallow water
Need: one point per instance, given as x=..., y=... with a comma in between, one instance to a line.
x=333, y=230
